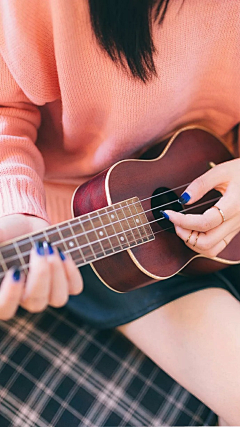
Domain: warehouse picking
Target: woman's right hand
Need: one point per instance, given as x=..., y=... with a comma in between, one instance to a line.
x=51, y=279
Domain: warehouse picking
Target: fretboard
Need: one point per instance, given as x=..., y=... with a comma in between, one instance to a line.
x=87, y=238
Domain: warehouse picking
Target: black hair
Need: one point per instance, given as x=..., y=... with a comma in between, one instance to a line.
x=123, y=29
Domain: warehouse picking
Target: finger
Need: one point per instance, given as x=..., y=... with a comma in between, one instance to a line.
x=75, y=281
x=58, y=296
x=206, y=242
x=10, y=293
x=219, y=247
x=216, y=177
x=223, y=210
x=210, y=219
x=37, y=289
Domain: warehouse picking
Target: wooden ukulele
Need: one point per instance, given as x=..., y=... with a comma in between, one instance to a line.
x=118, y=227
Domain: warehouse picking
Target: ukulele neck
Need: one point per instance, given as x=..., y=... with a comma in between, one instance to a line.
x=86, y=238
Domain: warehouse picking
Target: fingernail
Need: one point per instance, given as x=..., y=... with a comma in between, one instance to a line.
x=50, y=249
x=40, y=248
x=61, y=254
x=184, y=198
x=164, y=214
x=16, y=274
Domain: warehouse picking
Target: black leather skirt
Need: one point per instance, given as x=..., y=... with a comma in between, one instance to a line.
x=104, y=308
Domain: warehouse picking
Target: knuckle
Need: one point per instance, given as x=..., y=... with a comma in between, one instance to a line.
x=178, y=231
x=6, y=316
x=205, y=245
x=200, y=185
x=43, y=270
x=212, y=252
x=206, y=224
x=76, y=288
x=59, y=301
x=36, y=305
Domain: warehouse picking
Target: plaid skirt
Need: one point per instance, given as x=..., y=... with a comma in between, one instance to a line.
x=57, y=371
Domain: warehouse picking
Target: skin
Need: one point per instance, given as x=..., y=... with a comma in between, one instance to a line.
x=226, y=179
x=50, y=280
x=196, y=338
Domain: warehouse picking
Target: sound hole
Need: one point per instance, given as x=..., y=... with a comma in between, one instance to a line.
x=162, y=199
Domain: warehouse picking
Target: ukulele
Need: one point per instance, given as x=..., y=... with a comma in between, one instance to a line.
x=118, y=227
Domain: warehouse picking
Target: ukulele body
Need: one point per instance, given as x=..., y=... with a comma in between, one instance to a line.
x=186, y=156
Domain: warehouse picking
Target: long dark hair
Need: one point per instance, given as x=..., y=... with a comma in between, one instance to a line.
x=123, y=29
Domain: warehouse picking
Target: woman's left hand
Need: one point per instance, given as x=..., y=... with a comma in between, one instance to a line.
x=210, y=232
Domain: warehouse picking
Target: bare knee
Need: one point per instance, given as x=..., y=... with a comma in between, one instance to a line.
x=196, y=340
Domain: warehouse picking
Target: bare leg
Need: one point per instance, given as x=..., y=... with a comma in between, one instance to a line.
x=221, y=422
x=196, y=340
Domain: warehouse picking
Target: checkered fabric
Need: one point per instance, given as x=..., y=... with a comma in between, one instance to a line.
x=56, y=371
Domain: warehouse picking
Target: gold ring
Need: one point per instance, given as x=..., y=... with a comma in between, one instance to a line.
x=186, y=241
x=221, y=213
x=197, y=236
x=226, y=243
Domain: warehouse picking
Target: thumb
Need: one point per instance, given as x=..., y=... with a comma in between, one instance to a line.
x=16, y=225
x=215, y=178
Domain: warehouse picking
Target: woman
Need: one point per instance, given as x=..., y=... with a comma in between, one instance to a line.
x=85, y=84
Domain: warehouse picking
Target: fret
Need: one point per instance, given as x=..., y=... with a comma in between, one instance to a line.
x=75, y=253
x=102, y=231
x=145, y=226
x=61, y=238
x=136, y=217
x=52, y=236
x=46, y=237
x=125, y=227
x=115, y=224
x=99, y=236
x=87, y=238
x=67, y=242
x=123, y=235
x=75, y=248
x=21, y=258
x=3, y=264
x=92, y=238
x=25, y=247
x=111, y=232
x=36, y=237
x=131, y=224
x=10, y=256
x=83, y=239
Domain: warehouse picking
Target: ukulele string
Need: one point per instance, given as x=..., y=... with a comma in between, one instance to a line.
x=26, y=240
x=51, y=229
x=24, y=266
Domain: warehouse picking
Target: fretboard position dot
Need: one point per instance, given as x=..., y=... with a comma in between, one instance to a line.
x=112, y=216
x=137, y=220
x=100, y=233
x=71, y=244
x=122, y=239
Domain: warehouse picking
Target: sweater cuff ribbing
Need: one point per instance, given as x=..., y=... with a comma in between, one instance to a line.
x=21, y=196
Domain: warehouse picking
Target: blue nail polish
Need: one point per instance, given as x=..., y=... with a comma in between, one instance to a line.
x=16, y=274
x=184, y=198
x=164, y=214
x=50, y=249
x=40, y=248
x=61, y=254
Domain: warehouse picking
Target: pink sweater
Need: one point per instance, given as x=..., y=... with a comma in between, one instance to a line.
x=67, y=112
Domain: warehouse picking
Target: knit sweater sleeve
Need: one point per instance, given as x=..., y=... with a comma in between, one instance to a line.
x=21, y=164
x=28, y=80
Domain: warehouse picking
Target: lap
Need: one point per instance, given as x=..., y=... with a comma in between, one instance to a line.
x=196, y=339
